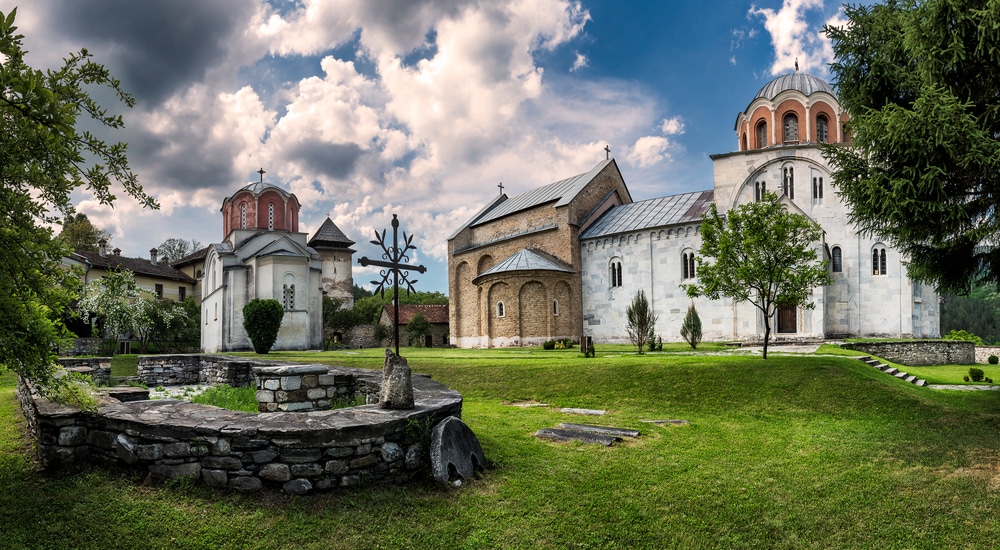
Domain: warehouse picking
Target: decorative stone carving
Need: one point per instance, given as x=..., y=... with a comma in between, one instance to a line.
x=455, y=448
x=397, y=384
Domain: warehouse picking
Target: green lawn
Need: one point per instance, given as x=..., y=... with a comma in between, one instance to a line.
x=791, y=452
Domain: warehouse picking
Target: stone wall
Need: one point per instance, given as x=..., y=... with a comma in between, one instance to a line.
x=173, y=370
x=308, y=387
x=983, y=353
x=920, y=352
x=99, y=368
x=295, y=452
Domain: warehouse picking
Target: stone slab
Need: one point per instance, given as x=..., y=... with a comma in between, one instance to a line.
x=588, y=412
x=559, y=434
x=604, y=430
x=672, y=421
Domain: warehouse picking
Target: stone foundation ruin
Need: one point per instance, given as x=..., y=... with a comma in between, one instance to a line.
x=299, y=447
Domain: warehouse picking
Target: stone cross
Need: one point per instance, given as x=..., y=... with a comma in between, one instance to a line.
x=393, y=260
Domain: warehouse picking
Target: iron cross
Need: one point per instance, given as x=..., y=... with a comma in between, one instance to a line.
x=393, y=259
x=501, y=187
x=607, y=151
x=261, y=172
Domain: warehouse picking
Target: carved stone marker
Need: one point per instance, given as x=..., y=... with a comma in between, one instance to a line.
x=454, y=448
x=397, y=384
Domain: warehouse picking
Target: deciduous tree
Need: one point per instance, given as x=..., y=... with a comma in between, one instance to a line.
x=174, y=249
x=761, y=253
x=78, y=233
x=921, y=81
x=43, y=159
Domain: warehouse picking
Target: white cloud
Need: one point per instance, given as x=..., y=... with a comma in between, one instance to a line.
x=579, y=63
x=793, y=38
x=672, y=126
x=648, y=151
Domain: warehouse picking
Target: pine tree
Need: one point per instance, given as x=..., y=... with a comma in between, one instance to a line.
x=691, y=328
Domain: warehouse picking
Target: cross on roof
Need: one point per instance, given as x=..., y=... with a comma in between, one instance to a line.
x=261, y=172
x=501, y=187
x=607, y=151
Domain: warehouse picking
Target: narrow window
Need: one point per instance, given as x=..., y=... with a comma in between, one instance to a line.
x=760, y=188
x=761, y=135
x=616, y=274
x=243, y=215
x=822, y=129
x=788, y=182
x=818, y=187
x=878, y=261
x=500, y=312
x=837, y=260
x=875, y=262
x=882, y=262
x=181, y=293
x=687, y=265
x=619, y=268
x=791, y=128
x=555, y=307
x=270, y=216
x=159, y=291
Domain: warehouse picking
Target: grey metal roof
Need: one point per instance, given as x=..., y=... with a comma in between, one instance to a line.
x=684, y=208
x=805, y=83
x=258, y=187
x=562, y=191
x=330, y=235
x=528, y=260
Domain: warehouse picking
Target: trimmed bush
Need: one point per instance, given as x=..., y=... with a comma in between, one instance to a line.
x=993, y=360
x=549, y=344
x=261, y=320
x=976, y=374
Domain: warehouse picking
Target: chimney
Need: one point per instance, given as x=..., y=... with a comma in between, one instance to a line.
x=117, y=251
x=102, y=247
x=152, y=256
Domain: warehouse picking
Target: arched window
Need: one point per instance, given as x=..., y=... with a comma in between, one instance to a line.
x=759, y=188
x=791, y=128
x=555, y=308
x=500, y=310
x=761, y=134
x=788, y=182
x=616, y=273
x=687, y=267
x=288, y=292
x=837, y=260
x=878, y=261
x=822, y=129
x=744, y=142
x=243, y=215
x=818, y=187
x=270, y=216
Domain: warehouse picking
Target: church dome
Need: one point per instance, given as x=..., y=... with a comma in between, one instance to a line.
x=259, y=206
x=259, y=187
x=801, y=82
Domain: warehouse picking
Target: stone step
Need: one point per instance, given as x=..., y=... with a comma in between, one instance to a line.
x=910, y=378
x=891, y=370
x=604, y=430
x=873, y=362
x=882, y=367
x=921, y=383
x=559, y=434
x=901, y=375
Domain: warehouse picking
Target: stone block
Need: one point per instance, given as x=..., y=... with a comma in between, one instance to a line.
x=391, y=452
x=214, y=478
x=101, y=439
x=149, y=452
x=275, y=472
x=414, y=457
x=310, y=381
x=350, y=481
x=339, y=452
x=337, y=467
x=221, y=447
x=260, y=457
x=222, y=463
x=397, y=383
x=125, y=448
x=272, y=384
x=315, y=393
x=72, y=435
x=246, y=483
x=297, y=486
x=306, y=470
x=364, y=461
x=291, y=382
x=301, y=456
x=298, y=406
x=163, y=472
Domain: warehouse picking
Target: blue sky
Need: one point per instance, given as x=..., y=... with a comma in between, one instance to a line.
x=367, y=108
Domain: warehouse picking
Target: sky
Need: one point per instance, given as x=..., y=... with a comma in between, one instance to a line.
x=368, y=108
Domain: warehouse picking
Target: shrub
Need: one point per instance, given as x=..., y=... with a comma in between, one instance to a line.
x=549, y=344
x=640, y=321
x=964, y=335
x=568, y=343
x=691, y=327
x=976, y=374
x=993, y=360
x=261, y=320
x=381, y=334
x=966, y=378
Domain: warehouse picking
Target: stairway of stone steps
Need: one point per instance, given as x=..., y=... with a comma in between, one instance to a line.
x=893, y=371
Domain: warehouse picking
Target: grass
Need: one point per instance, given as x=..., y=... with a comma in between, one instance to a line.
x=791, y=452
x=235, y=399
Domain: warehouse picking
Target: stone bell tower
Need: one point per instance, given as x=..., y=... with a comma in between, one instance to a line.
x=336, y=256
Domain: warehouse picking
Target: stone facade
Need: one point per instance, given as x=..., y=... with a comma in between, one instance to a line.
x=173, y=370
x=294, y=452
x=98, y=368
x=920, y=352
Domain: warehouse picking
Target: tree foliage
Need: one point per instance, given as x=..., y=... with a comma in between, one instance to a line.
x=418, y=329
x=978, y=313
x=368, y=308
x=337, y=319
x=640, y=321
x=112, y=299
x=762, y=254
x=922, y=84
x=173, y=249
x=691, y=327
x=78, y=233
x=262, y=320
x=43, y=159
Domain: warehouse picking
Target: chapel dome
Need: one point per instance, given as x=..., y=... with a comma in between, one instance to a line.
x=258, y=187
x=798, y=81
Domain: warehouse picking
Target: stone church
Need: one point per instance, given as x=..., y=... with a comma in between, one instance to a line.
x=565, y=260
x=264, y=255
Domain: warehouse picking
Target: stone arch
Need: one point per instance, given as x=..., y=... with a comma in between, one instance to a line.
x=562, y=324
x=484, y=264
x=466, y=325
x=506, y=326
x=533, y=310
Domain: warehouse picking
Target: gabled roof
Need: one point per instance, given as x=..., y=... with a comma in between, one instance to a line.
x=658, y=212
x=528, y=260
x=560, y=192
x=139, y=266
x=434, y=313
x=191, y=258
x=330, y=236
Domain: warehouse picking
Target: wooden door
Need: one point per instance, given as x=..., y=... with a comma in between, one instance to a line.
x=786, y=320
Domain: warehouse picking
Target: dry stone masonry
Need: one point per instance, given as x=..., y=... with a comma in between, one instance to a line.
x=298, y=452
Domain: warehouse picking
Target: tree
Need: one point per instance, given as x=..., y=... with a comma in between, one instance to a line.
x=691, y=327
x=922, y=83
x=153, y=317
x=336, y=318
x=79, y=234
x=763, y=254
x=417, y=329
x=174, y=249
x=43, y=159
x=111, y=298
x=262, y=320
x=368, y=308
x=641, y=321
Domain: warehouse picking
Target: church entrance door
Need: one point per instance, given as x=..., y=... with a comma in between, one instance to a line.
x=786, y=320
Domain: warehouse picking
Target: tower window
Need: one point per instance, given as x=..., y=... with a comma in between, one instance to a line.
x=818, y=187
x=500, y=310
x=761, y=134
x=687, y=265
x=791, y=128
x=270, y=216
x=616, y=274
x=243, y=215
x=837, y=260
x=822, y=129
x=878, y=261
x=288, y=297
x=788, y=182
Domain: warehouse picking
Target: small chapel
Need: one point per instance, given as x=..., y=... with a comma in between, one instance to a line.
x=263, y=255
x=566, y=259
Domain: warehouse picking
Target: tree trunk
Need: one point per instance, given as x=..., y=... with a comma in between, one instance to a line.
x=767, y=334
